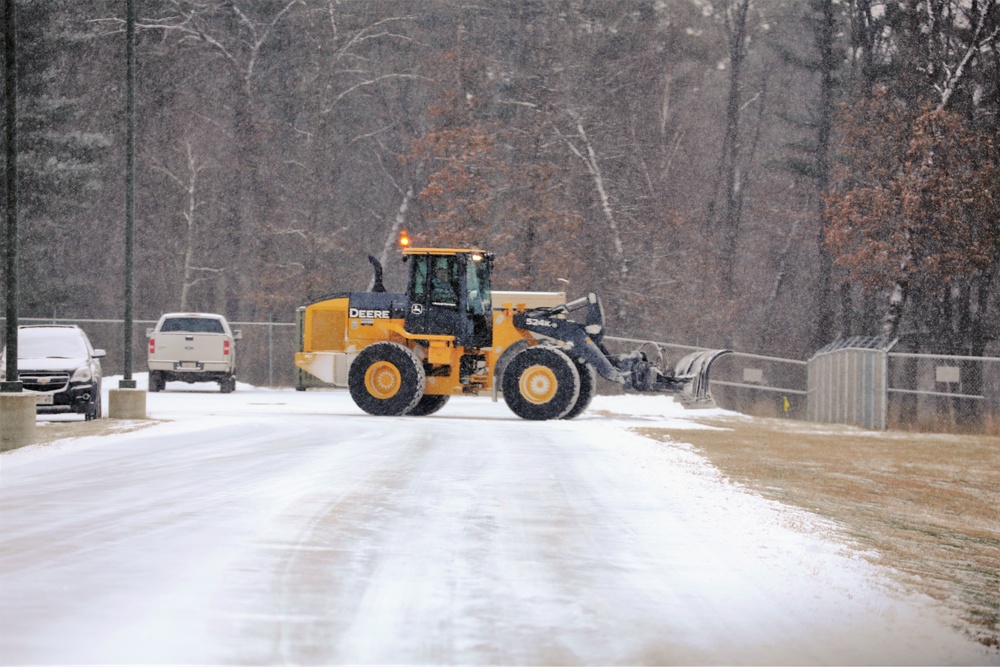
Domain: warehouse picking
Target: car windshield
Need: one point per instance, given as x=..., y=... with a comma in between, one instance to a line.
x=192, y=325
x=53, y=343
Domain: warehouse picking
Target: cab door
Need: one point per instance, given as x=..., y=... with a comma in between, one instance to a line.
x=450, y=295
x=436, y=290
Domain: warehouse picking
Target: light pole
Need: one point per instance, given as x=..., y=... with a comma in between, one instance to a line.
x=127, y=402
x=127, y=382
x=11, y=384
x=17, y=408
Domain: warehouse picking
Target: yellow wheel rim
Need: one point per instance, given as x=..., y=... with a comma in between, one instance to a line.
x=538, y=384
x=383, y=380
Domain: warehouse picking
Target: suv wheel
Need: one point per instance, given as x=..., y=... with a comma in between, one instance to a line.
x=94, y=411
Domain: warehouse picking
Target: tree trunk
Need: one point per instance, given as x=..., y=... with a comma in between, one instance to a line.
x=894, y=313
x=397, y=226
x=589, y=157
x=731, y=178
x=824, y=44
x=847, y=314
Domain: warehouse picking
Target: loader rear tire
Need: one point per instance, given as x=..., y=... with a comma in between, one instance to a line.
x=541, y=383
x=386, y=379
x=428, y=405
x=588, y=387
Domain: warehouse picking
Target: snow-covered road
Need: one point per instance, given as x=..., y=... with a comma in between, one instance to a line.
x=268, y=527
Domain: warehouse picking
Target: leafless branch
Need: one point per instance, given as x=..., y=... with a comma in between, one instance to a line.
x=371, y=82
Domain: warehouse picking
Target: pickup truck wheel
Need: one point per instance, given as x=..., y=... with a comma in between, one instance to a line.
x=588, y=387
x=228, y=385
x=386, y=379
x=156, y=381
x=428, y=405
x=541, y=383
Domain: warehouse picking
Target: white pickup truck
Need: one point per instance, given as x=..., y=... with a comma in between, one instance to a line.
x=192, y=347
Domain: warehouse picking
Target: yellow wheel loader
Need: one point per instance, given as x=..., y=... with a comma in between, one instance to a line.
x=449, y=334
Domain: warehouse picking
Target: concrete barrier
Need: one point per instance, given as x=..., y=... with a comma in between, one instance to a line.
x=127, y=403
x=17, y=420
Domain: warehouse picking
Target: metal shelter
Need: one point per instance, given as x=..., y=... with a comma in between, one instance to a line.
x=848, y=382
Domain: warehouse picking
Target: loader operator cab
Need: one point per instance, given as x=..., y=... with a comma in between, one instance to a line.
x=449, y=293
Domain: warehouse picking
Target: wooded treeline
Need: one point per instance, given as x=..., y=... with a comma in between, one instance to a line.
x=765, y=174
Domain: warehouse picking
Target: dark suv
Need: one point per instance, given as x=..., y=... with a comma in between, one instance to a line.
x=59, y=366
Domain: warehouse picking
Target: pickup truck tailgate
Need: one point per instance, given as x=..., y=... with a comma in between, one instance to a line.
x=187, y=349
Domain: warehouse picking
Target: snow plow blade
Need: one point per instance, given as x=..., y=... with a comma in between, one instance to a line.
x=693, y=371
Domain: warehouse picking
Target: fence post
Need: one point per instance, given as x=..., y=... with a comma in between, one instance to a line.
x=270, y=351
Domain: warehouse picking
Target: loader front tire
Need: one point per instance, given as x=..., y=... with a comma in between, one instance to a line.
x=386, y=379
x=541, y=383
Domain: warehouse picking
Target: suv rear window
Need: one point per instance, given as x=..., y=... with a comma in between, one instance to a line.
x=192, y=325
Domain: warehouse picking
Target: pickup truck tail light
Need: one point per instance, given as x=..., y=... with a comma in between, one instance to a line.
x=225, y=347
x=152, y=345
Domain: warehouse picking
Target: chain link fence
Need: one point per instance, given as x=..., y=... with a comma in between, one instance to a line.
x=752, y=384
x=936, y=392
x=860, y=380
x=264, y=356
x=925, y=391
x=761, y=385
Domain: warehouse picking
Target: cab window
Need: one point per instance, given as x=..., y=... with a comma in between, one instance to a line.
x=418, y=290
x=479, y=275
x=443, y=281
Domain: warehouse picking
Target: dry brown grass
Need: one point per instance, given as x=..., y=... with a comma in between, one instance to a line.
x=927, y=504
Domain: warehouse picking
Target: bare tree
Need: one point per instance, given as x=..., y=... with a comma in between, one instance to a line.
x=193, y=23
x=734, y=16
x=229, y=32
x=957, y=33
x=187, y=181
x=582, y=147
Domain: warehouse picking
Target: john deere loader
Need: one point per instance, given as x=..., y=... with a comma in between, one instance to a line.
x=448, y=334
